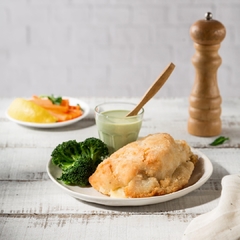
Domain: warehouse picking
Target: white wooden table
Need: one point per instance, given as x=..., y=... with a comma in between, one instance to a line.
x=33, y=207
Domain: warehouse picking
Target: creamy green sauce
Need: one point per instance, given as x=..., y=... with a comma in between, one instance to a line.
x=117, y=130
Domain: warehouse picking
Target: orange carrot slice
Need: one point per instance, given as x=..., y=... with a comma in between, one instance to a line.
x=62, y=112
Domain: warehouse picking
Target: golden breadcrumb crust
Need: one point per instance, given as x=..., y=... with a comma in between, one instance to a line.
x=152, y=166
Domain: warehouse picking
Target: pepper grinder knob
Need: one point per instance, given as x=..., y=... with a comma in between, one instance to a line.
x=208, y=16
x=205, y=100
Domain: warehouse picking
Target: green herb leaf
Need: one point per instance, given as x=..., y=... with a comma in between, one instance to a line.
x=219, y=140
x=54, y=100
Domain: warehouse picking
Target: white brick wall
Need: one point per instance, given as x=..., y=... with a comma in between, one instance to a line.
x=109, y=47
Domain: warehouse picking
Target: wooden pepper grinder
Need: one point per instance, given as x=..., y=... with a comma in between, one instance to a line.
x=205, y=100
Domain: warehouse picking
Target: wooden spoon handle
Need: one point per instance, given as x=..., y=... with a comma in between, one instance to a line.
x=153, y=89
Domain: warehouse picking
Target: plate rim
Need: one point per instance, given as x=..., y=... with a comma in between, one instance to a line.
x=85, y=107
x=108, y=201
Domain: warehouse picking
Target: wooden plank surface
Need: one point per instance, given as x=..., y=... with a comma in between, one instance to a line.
x=32, y=205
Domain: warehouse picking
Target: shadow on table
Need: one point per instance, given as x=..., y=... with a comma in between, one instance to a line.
x=82, y=124
x=196, y=198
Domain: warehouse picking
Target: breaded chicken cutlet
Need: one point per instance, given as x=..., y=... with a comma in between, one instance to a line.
x=152, y=166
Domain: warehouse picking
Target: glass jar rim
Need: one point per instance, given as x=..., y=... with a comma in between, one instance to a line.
x=140, y=113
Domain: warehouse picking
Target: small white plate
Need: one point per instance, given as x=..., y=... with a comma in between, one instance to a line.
x=72, y=101
x=201, y=174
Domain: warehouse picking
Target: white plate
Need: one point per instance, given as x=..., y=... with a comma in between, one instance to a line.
x=72, y=101
x=201, y=174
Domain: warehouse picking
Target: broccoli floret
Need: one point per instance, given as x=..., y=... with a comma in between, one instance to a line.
x=95, y=149
x=66, y=153
x=78, y=173
x=79, y=160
